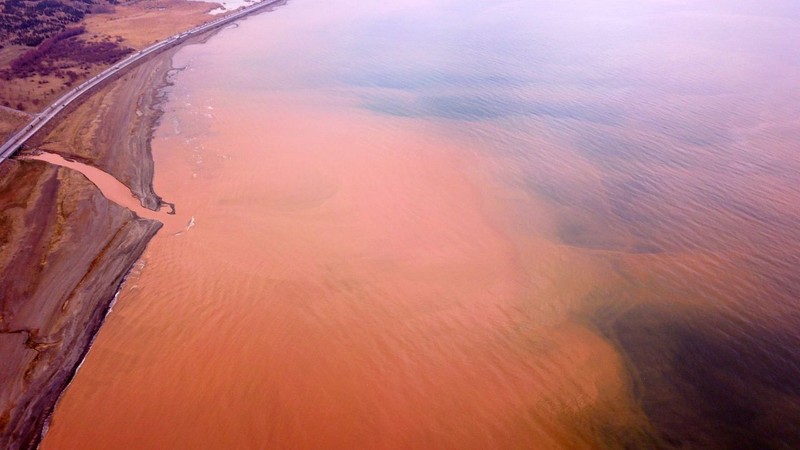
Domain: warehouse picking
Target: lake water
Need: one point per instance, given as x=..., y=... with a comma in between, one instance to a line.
x=467, y=224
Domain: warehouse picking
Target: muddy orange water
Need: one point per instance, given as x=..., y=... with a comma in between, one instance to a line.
x=464, y=225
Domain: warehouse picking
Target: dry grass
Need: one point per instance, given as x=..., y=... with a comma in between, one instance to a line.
x=9, y=121
x=135, y=25
x=146, y=22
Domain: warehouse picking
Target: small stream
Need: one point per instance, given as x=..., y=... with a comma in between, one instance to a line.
x=118, y=193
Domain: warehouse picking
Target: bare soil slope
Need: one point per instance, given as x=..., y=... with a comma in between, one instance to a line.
x=64, y=251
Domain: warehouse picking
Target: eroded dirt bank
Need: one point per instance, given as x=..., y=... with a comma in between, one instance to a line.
x=65, y=248
x=64, y=251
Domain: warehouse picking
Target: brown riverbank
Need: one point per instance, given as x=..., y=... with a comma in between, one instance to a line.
x=65, y=251
x=132, y=26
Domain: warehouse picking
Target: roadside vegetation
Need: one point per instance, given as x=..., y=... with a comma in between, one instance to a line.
x=29, y=23
x=65, y=55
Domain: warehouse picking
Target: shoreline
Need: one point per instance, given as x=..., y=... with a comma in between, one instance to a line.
x=106, y=310
x=60, y=282
x=25, y=416
x=124, y=149
x=77, y=95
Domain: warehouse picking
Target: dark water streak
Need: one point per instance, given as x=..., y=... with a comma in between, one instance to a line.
x=698, y=169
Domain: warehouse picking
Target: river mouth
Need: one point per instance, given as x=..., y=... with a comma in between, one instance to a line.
x=117, y=192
